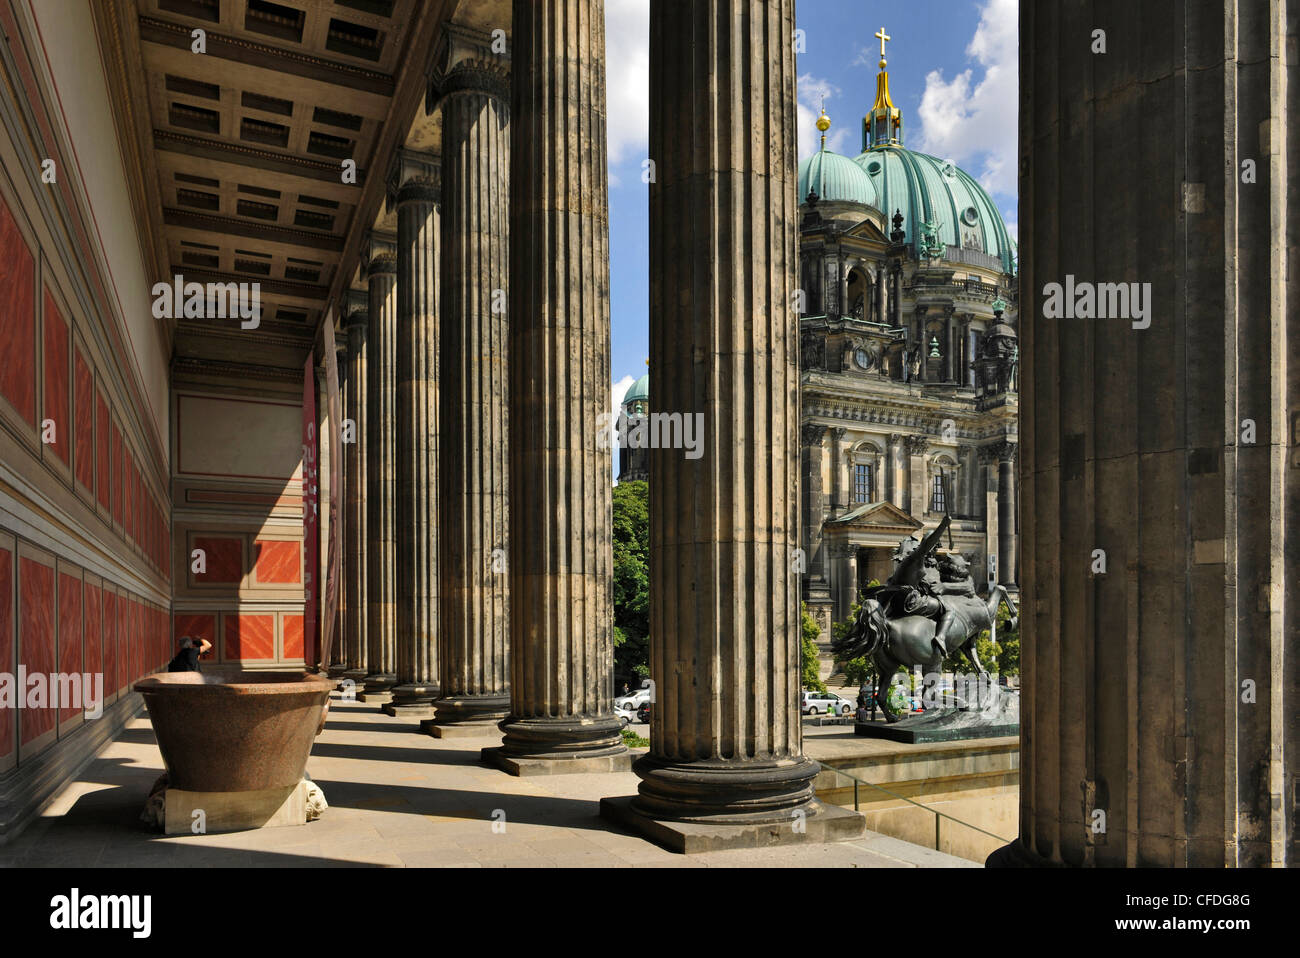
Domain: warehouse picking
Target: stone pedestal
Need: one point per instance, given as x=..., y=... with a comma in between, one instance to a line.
x=725, y=766
x=233, y=811
x=381, y=474
x=561, y=706
x=418, y=226
x=473, y=510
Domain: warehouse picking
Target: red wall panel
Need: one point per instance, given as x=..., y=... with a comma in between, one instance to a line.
x=84, y=422
x=72, y=636
x=17, y=318
x=35, y=637
x=56, y=378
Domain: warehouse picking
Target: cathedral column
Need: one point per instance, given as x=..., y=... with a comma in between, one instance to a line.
x=1007, y=525
x=845, y=557
x=988, y=458
x=473, y=584
x=417, y=437
x=726, y=744
x=895, y=486
x=356, y=545
x=561, y=565
x=1159, y=459
x=917, y=501
x=839, y=472
x=815, y=588
x=381, y=473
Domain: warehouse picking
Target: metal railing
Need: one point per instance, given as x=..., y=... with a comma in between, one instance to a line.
x=938, y=815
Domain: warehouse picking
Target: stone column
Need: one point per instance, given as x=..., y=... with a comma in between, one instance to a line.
x=381, y=473
x=356, y=543
x=845, y=557
x=417, y=438
x=473, y=600
x=839, y=472
x=918, y=502
x=1167, y=440
x=988, y=457
x=1007, y=525
x=725, y=744
x=815, y=587
x=561, y=564
x=895, y=487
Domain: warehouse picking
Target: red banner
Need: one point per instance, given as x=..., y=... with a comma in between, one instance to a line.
x=310, y=511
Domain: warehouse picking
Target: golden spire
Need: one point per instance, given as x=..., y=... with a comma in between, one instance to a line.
x=884, y=124
x=883, y=100
x=823, y=121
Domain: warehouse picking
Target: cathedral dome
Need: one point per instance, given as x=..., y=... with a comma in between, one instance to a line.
x=638, y=390
x=927, y=190
x=835, y=178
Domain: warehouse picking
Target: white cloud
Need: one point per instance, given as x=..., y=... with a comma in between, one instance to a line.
x=971, y=122
x=811, y=89
x=627, y=78
x=616, y=394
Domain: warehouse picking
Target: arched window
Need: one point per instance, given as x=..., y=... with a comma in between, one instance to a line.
x=939, y=498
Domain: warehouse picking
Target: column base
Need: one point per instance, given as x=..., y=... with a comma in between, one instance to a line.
x=526, y=767
x=725, y=791
x=336, y=671
x=813, y=823
x=572, y=738
x=378, y=689
x=412, y=701
x=466, y=716
x=1016, y=855
x=357, y=676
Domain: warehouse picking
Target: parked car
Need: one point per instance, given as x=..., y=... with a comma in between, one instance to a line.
x=627, y=715
x=814, y=703
x=633, y=700
x=643, y=713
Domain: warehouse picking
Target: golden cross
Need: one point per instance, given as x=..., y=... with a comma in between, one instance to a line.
x=883, y=37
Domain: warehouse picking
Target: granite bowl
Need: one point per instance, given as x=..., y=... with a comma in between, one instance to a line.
x=235, y=732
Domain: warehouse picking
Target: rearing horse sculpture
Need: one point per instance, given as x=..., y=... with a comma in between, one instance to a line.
x=888, y=629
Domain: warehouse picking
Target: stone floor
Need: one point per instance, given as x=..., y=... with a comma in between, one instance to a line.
x=398, y=799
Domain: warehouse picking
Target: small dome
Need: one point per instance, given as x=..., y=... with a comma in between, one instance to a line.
x=835, y=178
x=1002, y=329
x=638, y=390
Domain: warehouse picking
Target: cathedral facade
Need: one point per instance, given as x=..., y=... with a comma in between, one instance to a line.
x=908, y=348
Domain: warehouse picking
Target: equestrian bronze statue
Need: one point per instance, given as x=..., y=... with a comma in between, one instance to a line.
x=925, y=612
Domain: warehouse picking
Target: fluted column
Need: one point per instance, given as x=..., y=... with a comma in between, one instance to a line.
x=381, y=474
x=815, y=584
x=356, y=543
x=417, y=441
x=561, y=562
x=1159, y=468
x=473, y=587
x=839, y=472
x=726, y=743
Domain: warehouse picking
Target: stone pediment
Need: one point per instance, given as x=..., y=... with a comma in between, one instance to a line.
x=867, y=229
x=876, y=515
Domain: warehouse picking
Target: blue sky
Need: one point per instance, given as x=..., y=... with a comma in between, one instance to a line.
x=953, y=71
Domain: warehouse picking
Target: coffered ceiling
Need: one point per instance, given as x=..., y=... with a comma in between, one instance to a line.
x=240, y=149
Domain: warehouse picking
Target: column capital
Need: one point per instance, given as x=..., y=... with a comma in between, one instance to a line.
x=1006, y=451
x=468, y=59
x=838, y=433
x=414, y=177
x=917, y=445
x=813, y=433
x=379, y=254
x=356, y=308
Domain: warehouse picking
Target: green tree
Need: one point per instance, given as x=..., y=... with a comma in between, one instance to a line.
x=1004, y=659
x=631, y=534
x=809, y=660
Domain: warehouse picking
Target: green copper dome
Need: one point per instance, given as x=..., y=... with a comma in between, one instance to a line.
x=835, y=178
x=638, y=390
x=930, y=191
